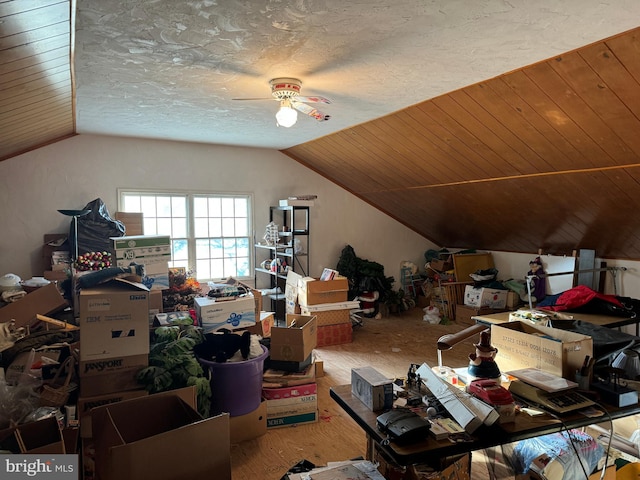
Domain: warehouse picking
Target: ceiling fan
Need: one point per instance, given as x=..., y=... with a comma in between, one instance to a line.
x=287, y=92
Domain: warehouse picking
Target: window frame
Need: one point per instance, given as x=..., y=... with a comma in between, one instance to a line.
x=189, y=196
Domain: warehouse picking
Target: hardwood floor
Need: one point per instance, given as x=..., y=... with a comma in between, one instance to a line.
x=390, y=345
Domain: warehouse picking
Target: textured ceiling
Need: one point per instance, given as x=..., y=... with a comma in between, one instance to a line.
x=167, y=69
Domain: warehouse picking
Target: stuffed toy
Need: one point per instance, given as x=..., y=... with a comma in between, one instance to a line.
x=223, y=344
x=538, y=284
x=369, y=303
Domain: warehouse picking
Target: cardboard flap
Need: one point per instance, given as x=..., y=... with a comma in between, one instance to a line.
x=147, y=437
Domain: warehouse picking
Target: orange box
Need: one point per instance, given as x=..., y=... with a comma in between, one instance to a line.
x=335, y=334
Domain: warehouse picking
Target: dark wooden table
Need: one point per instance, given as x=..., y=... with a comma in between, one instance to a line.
x=430, y=449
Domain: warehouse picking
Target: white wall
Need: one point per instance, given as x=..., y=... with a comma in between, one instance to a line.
x=71, y=173
x=516, y=265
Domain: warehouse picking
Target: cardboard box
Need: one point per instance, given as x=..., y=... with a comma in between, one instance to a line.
x=524, y=345
x=335, y=334
x=264, y=326
x=161, y=437
x=292, y=420
x=156, y=276
x=111, y=375
x=155, y=304
x=441, y=265
x=290, y=392
x=40, y=437
x=465, y=312
x=213, y=315
x=372, y=388
x=114, y=320
x=312, y=291
x=287, y=366
x=291, y=292
x=294, y=342
x=485, y=297
x=44, y=301
x=451, y=468
x=144, y=249
x=329, y=317
x=133, y=222
x=23, y=362
x=250, y=425
x=85, y=404
x=292, y=406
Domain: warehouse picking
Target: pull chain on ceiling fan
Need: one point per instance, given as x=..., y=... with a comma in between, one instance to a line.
x=287, y=92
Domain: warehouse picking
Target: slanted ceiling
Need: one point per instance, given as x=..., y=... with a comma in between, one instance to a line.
x=36, y=94
x=543, y=158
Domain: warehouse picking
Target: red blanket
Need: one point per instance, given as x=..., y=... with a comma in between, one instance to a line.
x=578, y=297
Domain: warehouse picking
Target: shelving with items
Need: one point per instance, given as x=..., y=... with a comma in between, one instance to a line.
x=283, y=248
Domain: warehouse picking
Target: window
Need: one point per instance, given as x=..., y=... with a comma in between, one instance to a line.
x=210, y=233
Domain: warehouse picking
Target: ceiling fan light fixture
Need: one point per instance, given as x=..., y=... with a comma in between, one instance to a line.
x=286, y=116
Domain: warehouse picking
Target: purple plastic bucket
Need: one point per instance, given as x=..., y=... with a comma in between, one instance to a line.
x=236, y=387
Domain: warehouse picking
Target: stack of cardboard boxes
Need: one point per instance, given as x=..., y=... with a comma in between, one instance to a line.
x=114, y=343
x=327, y=300
x=289, y=384
x=152, y=251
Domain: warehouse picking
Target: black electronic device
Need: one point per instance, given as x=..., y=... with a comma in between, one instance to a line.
x=403, y=425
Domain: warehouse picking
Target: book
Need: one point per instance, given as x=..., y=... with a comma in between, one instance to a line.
x=448, y=424
x=437, y=431
x=328, y=274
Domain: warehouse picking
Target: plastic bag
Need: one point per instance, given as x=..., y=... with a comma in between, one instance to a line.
x=431, y=315
x=16, y=402
x=555, y=452
x=95, y=229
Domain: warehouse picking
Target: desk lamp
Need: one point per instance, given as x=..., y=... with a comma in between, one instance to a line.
x=447, y=342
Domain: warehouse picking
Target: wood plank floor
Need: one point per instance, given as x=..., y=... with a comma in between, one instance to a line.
x=390, y=345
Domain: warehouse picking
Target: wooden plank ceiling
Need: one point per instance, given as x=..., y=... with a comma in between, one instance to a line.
x=543, y=158
x=36, y=100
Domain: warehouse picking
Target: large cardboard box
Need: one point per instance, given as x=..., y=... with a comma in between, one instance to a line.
x=292, y=420
x=292, y=406
x=144, y=249
x=338, y=334
x=40, y=437
x=85, y=404
x=523, y=345
x=114, y=320
x=329, y=317
x=452, y=468
x=110, y=375
x=296, y=341
x=372, y=388
x=160, y=437
x=44, y=301
x=485, y=297
x=312, y=291
x=213, y=315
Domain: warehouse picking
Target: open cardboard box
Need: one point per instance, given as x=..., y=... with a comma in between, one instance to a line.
x=296, y=341
x=40, y=437
x=162, y=437
x=44, y=301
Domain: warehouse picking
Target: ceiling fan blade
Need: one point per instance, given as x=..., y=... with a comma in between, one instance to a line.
x=264, y=98
x=312, y=112
x=314, y=99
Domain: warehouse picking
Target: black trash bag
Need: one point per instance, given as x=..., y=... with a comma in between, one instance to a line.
x=95, y=229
